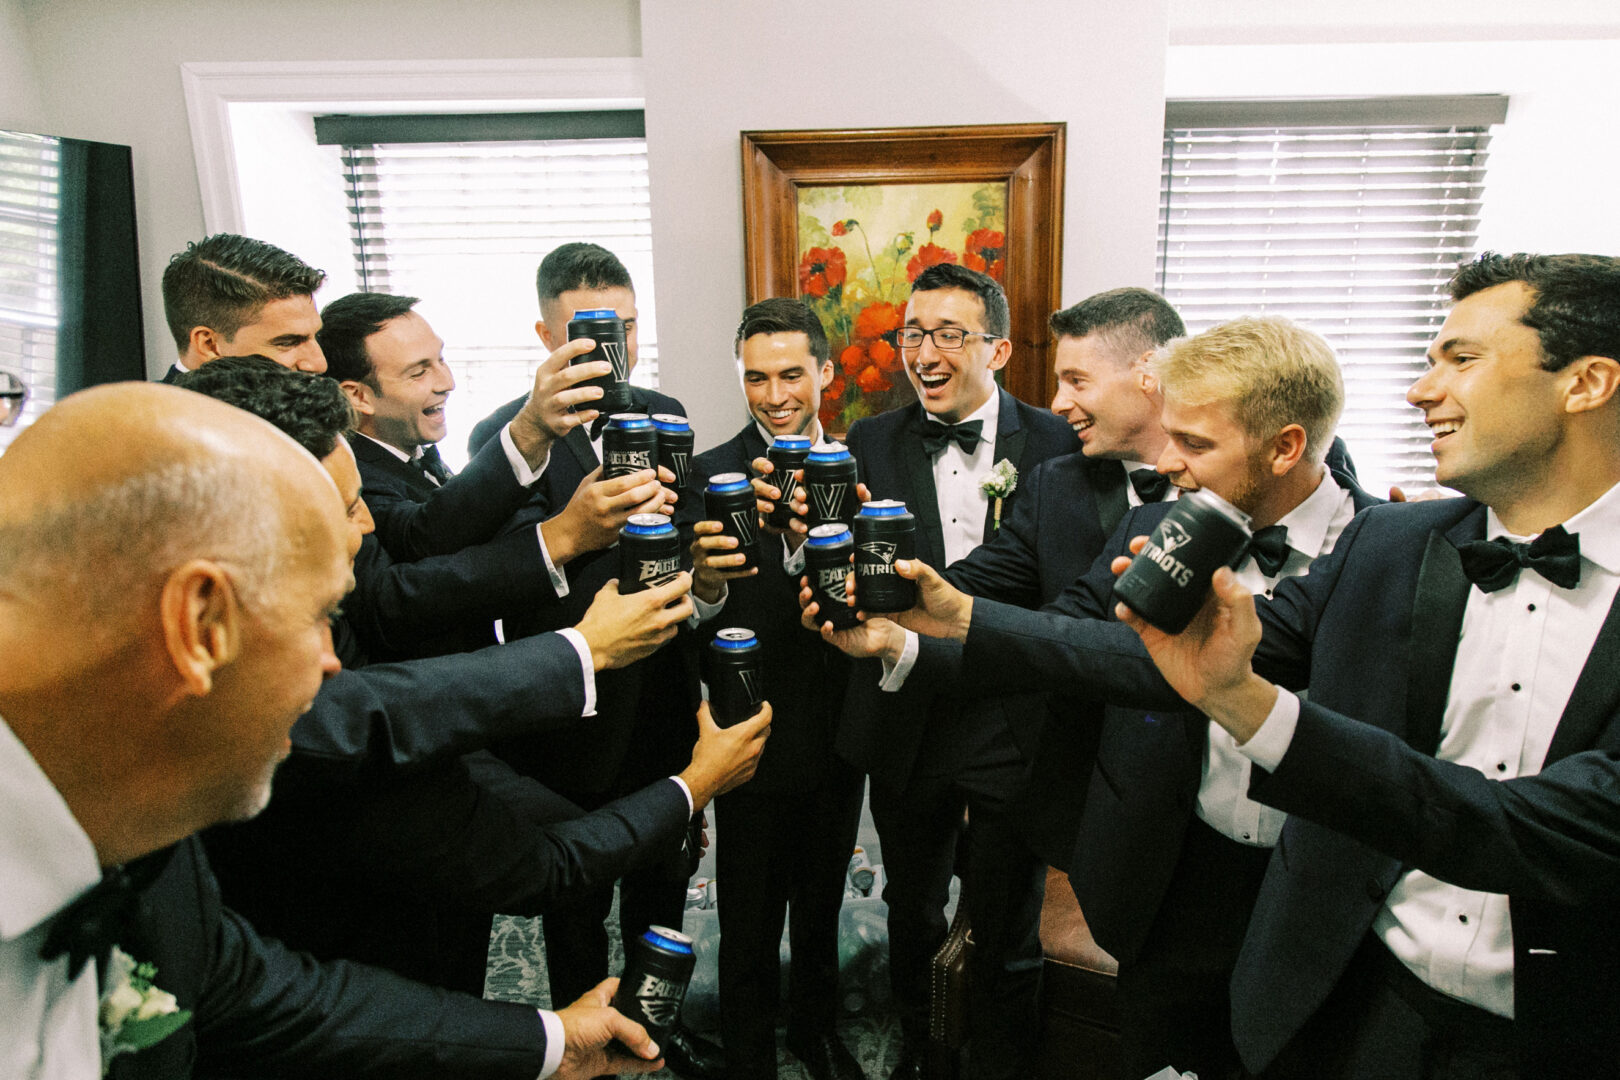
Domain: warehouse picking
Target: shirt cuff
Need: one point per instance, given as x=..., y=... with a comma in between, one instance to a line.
x=792, y=561
x=559, y=580
x=520, y=468
x=587, y=667
x=1267, y=746
x=703, y=611
x=895, y=672
x=556, y=1042
x=684, y=791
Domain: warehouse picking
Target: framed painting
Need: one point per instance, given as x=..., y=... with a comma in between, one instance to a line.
x=848, y=219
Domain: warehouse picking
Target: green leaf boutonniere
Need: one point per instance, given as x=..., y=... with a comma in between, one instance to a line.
x=1002, y=482
x=134, y=1013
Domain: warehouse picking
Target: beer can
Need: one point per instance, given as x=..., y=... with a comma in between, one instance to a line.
x=629, y=444
x=860, y=872
x=649, y=552
x=603, y=326
x=826, y=564
x=675, y=445
x=695, y=894
x=729, y=499
x=884, y=531
x=787, y=453
x=829, y=480
x=1166, y=583
x=657, y=968
x=736, y=676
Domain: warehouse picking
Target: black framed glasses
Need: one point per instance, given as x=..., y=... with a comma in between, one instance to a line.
x=947, y=338
x=13, y=396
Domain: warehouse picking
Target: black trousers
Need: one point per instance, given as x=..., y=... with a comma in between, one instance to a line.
x=781, y=854
x=1381, y=1020
x=1003, y=884
x=1174, y=999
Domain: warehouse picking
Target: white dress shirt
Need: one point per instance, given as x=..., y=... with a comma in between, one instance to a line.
x=1223, y=793
x=963, y=504
x=1519, y=655
x=48, y=1024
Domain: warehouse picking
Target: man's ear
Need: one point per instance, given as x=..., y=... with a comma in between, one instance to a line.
x=1003, y=353
x=826, y=373
x=205, y=344
x=202, y=623
x=544, y=333
x=1593, y=381
x=361, y=396
x=1287, y=449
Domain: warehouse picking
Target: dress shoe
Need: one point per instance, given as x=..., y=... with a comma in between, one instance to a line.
x=692, y=1056
x=825, y=1057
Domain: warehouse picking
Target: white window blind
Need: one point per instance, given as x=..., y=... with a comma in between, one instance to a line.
x=1346, y=216
x=30, y=204
x=464, y=224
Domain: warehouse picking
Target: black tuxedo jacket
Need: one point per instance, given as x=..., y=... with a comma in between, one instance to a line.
x=1373, y=630
x=650, y=705
x=416, y=518
x=804, y=676
x=880, y=733
x=262, y=1010
x=172, y=376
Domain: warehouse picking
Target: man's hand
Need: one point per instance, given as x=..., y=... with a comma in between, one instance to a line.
x=598, y=510
x=1208, y=663
x=546, y=416
x=767, y=495
x=595, y=1037
x=715, y=561
x=942, y=610
x=1397, y=495
x=725, y=758
x=875, y=636
x=623, y=629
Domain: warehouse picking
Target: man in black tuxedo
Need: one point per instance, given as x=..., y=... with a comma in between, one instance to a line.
x=930, y=766
x=785, y=838
x=157, y=700
x=1436, y=905
x=229, y=295
x=646, y=710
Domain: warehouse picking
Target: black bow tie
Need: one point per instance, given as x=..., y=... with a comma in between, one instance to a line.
x=1495, y=564
x=432, y=465
x=88, y=928
x=598, y=425
x=1269, y=546
x=1150, y=485
x=935, y=435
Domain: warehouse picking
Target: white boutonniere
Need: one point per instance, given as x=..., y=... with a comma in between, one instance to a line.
x=134, y=1013
x=1002, y=482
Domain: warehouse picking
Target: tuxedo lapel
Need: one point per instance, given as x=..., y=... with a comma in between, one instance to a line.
x=373, y=456
x=1010, y=437
x=753, y=445
x=1438, y=604
x=578, y=442
x=918, y=470
x=1596, y=694
x=1108, y=488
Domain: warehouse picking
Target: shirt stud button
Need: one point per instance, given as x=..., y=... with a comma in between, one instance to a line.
x=1515, y=686
x=1463, y=919
x=1501, y=766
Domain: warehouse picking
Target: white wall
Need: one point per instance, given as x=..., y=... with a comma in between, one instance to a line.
x=111, y=71
x=714, y=69
x=22, y=107
x=1254, y=22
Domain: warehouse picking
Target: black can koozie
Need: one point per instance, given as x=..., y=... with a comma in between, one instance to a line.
x=603, y=326
x=657, y=969
x=649, y=552
x=787, y=454
x=1166, y=583
x=826, y=564
x=829, y=481
x=675, y=445
x=736, y=676
x=884, y=531
x=729, y=499
x=629, y=444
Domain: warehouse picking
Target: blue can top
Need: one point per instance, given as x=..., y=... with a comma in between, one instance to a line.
x=735, y=637
x=597, y=313
x=791, y=442
x=648, y=525
x=883, y=508
x=629, y=421
x=828, y=535
x=826, y=452
x=668, y=940
x=668, y=422
x=727, y=482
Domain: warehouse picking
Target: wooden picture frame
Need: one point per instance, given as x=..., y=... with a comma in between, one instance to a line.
x=1029, y=158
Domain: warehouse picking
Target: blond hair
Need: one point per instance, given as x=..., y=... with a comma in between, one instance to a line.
x=1273, y=371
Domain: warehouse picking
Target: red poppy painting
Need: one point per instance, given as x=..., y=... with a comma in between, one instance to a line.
x=860, y=248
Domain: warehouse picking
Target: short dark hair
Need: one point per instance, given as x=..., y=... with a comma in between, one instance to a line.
x=579, y=266
x=314, y=411
x=1576, y=310
x=1134, y=320
x=223, y=282
x=997, y=319
x=346, y=323
x=784, y=315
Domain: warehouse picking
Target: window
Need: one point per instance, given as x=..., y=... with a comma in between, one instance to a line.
x=1348, y=216
x=459, y=210
x=30, y=203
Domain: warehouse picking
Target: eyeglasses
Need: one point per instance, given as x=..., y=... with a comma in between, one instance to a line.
x=13, y=396
x=945, y=337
